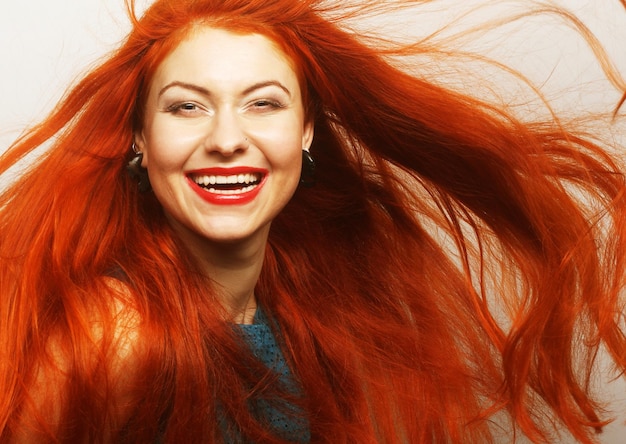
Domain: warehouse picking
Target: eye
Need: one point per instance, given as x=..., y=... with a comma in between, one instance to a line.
x=185, y=109
x=266, y=104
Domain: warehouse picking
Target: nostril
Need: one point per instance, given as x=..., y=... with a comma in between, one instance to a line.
x=226, y=146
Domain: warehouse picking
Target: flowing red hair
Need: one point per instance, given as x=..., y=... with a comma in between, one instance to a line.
x=453, y=266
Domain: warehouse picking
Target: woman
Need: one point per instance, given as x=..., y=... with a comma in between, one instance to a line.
x=430, y=273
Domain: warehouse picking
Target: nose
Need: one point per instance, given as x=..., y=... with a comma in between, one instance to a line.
x=225, y=135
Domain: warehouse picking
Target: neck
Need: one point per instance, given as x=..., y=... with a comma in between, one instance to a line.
x=235, y=268
x=236, y=272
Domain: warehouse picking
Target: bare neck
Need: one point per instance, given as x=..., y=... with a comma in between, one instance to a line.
x=236, y=274
x=235, y=268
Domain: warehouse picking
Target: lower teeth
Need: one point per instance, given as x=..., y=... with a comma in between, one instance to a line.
x=231, y=191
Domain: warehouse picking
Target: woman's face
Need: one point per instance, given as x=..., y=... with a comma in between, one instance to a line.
x=222, y=135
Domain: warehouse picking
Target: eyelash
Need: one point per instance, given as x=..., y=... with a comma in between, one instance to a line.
x=178, y=107
x=190, y=107
x=266, y=103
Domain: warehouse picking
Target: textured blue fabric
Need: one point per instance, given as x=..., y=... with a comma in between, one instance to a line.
x=260, y=338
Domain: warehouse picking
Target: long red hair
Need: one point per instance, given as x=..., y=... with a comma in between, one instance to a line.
x=453, y=266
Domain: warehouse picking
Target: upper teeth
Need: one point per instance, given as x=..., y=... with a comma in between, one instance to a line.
x=226, y=180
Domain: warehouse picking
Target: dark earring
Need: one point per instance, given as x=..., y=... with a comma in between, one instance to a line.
x=307, y=175
x=137, y=172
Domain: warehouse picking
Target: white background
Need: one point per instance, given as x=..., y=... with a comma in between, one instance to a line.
x=46, y=44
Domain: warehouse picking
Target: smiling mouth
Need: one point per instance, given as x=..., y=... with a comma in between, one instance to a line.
x=228, y=184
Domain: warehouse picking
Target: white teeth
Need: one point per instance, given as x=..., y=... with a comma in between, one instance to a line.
x=238, y=191
x=241, y=179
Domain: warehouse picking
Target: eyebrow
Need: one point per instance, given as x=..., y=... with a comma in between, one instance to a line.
x=206, y=92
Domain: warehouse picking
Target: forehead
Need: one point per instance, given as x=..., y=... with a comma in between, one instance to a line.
x=214, y=55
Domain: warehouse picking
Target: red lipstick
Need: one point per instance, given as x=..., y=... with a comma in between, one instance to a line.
x=227, y=186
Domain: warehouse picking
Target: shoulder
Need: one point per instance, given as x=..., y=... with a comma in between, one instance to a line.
x=118, y=331
x=91, y=363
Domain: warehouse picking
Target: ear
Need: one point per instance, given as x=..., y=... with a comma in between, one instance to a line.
x=140, y=143
x=307, y=134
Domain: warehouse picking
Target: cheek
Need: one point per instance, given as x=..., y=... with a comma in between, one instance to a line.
x=286, y=152
x=287, y=169
x=163, y=158
x=164, y=151
x=287, y=159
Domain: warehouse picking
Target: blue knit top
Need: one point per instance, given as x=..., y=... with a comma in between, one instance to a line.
x=260, y=338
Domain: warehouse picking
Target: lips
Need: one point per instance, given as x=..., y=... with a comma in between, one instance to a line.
x=227, y=186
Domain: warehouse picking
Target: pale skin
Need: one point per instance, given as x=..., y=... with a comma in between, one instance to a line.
x=225, y=100
x=219, y=102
